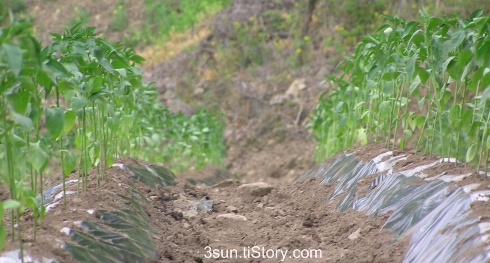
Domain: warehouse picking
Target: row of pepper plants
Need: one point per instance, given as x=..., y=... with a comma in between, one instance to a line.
x=421, y=84
x=81, y=102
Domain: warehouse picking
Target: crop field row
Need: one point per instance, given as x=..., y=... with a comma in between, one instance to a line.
x=81, y=102
x=420, y=84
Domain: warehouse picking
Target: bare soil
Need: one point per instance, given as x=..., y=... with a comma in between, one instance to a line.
x=292, y=216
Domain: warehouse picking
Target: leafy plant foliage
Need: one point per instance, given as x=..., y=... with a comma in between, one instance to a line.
x=425, y=84
x=82, y=101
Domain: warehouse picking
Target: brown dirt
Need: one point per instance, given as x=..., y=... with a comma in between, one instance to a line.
x=292, y=216
x=56, y=16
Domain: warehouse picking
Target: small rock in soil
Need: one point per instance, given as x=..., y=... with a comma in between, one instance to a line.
x=254, y=189
x=227, y=183
x=233, y=217
x=355, y=235
x=190, y=214
x=231, y=209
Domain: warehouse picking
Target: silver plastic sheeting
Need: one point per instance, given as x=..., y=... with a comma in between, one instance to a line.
x=349, y=180
x=437, y=216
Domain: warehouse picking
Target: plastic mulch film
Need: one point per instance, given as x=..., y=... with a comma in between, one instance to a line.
x=349, y=181
x=13, y=257
x=152, y=175
x=448, y=234
x=318, y=171
x=340, y=168
x=438, y=217
x=124, y=236
x=410, y=207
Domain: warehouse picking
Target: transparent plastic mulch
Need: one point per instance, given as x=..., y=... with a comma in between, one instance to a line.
x=125, y=234
x=436, y=215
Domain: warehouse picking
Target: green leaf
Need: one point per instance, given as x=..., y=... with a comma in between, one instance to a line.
x=12, y=55
x=37, y=157
x=464, y=57
x=471, y=153
x=364, y=114
x=385, y=108
x=78, y=103
x=76, y=28
x=421, y=103
x=122, y=72
x=137, y=59
x=109, y=157
x=55, y=121
x=412, y=121
x=118, y=61
x=423, y=74
x=388, y=88
x=11, y=204
x=55, y=65
x=457, y=37
x=433, y=23
x=453, y=70
x=24, y=121
x=28, y=83
x=417, y=39
x=98, y=53
x=446, y=63
x=69, y=163
x=485, y=80
x=70, y=117
x=476, y=13
x=485, y=96
x=445, y=98
x=475, y=129
x=362, y=136
x=370, y=39
x=483, y=53
x=413, y=86
x=94, y=85
x=94, y=153
x=411, y=66
x=454, y=114
x=407, y=133
x=64, y=86
x=466, y=117
x=420, y=121
x=78, y=140
x=488, y=142
x=106, y=65
x=19, y=101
